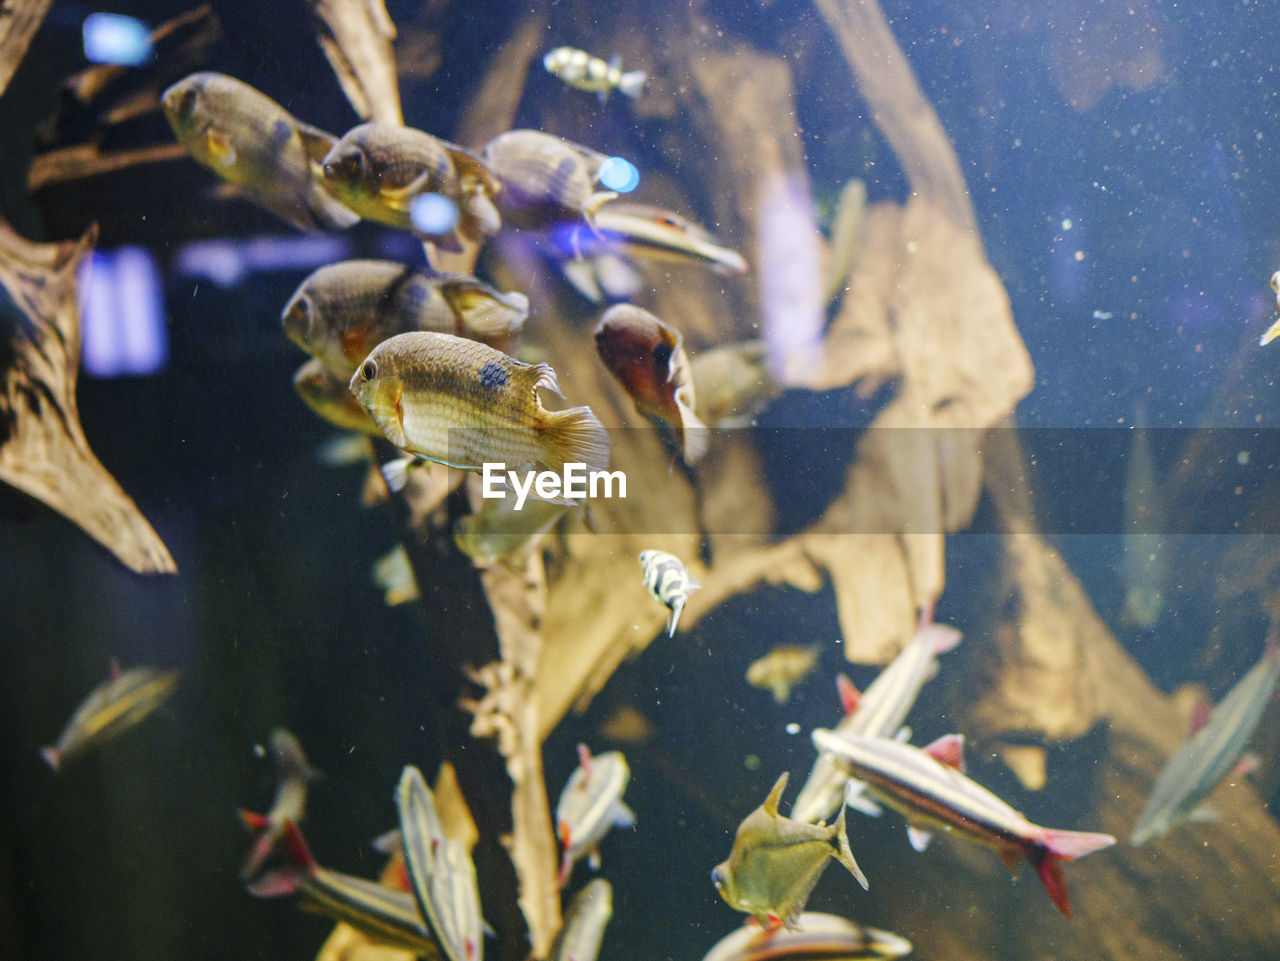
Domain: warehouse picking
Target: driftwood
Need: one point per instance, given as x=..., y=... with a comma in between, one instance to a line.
x=356, y=36
x=43, y=450
x=19, y=21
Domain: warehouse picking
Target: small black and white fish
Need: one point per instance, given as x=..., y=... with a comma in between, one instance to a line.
x=669, y=582
x=582, y=71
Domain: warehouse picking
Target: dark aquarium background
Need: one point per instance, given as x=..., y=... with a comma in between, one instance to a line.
x=1123, y=168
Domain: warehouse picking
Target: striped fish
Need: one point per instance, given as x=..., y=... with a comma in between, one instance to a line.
x=582, y=71
x=816, y=937
x=384, y=914
x=584, y=923
x=441, y=872
x=590, y=804
x=1204, y=760
x=648, y=233
x=669, y=582
x=289, y=805
x=928, y=786
x=114, y=706
x=878, y=712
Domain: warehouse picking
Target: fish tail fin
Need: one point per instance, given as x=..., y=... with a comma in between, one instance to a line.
x=844, y=853
x=942, y=637
x=480, y=215
x=575, y=436
x=677, y=606
x=284, y=880
x=396, y=472
x=1050, y=873
x=593, y=203
x=694, y=436
x=632, y=82
x=52, y=757
x=252, y=820
x=1069, y=845
x=566, y=867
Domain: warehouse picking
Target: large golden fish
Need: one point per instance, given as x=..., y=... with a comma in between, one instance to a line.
x=776, y=861
x=344, y=310
x=249, y=140
x=459, y=403
x=378, y=170
x=647, y=358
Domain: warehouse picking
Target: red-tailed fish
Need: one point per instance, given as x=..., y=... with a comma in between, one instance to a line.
x=290, y=803
x=590, y=804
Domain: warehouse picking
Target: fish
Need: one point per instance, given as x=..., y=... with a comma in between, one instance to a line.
x=290, y=802
x=817, y=937
x=117, y=704
x=1274, y=330
x=497, y=531
x=582, y=933
x=459, y=403
x=928, y=786
x=249, y=140
x=627, y=725
x=669, y=582
x=782, y=667
x=732, y=383
x=342, y=311
x=647, y=358
x=776, y=861
x=545, y=180
x=384, y=914
x=877, y=712
x=393, y=574
x=1145, y=559
x=584, y=72
x=329, y=397
x=1211, y=752
x=590, y=804
x=441, y=872
x=646, y=232
x=378, y=169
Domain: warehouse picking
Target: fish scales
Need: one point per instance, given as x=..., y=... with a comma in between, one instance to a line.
x=544, y=179
x=1210, y=754
x=462, y=403
x=386, y=915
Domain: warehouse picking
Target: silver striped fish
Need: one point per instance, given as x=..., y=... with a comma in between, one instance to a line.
x=816, y=937
x=877, y=712
x=584, y=923
x=1204, y=760
x=114, y=706
x=590, y=804
x=927, y=785
x=669, y=582
x=441, y=871
x=384, y=914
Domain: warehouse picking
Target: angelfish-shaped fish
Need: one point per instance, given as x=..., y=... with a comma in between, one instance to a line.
x=590, y=804
x=775, y=862
x=669, y=582
x=647, y=358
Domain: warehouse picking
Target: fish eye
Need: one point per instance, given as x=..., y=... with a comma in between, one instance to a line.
x=666, y=220
x=368, y=370
x=187, y=102
x=348, y=166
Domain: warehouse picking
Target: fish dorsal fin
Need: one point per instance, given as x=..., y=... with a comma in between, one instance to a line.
x=471, y=169
x=850, y=696
x=543, y=378
x=771, y=802
x=315, y=141
x=948, y=750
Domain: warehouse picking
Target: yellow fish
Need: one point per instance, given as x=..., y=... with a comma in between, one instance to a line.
x=784, y=666
x=647, y=358
x=378, y=169
x=462, y=404
x=344, y=310
x=497, y=530
x=776, y=861
x=545, y=180
x=249, y=140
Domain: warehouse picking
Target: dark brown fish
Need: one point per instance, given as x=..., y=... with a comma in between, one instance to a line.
x=647, y=358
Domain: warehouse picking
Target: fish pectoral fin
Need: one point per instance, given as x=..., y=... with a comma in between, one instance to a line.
x=622, y=816
x=220, y=147
x=399, y=198
x=593, y=858
x=919, y=839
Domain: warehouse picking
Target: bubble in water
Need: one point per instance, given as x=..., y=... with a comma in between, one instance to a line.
x=433, y=214
x=619, y=174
